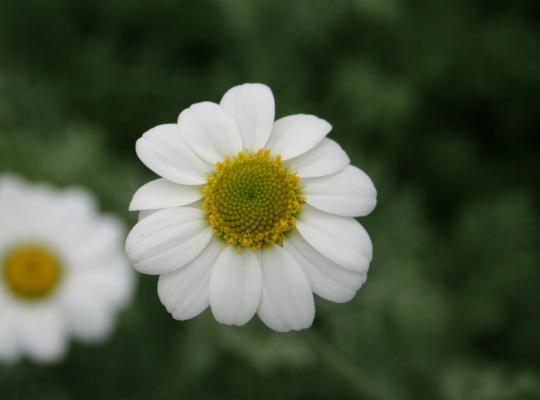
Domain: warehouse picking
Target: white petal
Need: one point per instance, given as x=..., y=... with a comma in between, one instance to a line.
x=184, y=292
x=110, y=280
x=73, y=203
x=287, y=302
x=42, y=333
x=210, y=131
x=349, y=193
x=66, y=215
x=89, y=311
x=294, y=135
x=10, y=185
x=91, y=297
x=252, y=106
x=324, y=159
x=100, y=237
x=341, y=239
x=235, y=286
x=9, y=349
x=145, y=213
x=16, y=191
x=164, y=151
x=162, y=193
x=168, y=239
x=327, y=279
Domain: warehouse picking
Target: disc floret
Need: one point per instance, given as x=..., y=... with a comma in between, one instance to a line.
x=31, y=272
x=252, y=200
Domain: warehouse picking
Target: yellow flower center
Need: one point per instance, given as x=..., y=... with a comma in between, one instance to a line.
x=252, y=200
x=32, y=272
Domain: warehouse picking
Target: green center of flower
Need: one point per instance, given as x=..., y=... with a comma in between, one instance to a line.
x=31, y=272
x=252, y=200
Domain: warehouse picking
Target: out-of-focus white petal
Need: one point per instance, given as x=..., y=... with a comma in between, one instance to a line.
x=341, y=239
x=162, y=193
x=89, y=316
x=327, y=279
x=9, y=346
x=15, y=192
x=324, y=159
x=110, y=280
x=10, y=184
x=168, y=239
x=42, y=333
x=287, y=302
x=100, y=238
x=11, y=197
x=349, y=193
x=252, y=106
x=164, y=151
x=235, y=286
x=294, y=135
x=65, y=216
x=210, y=131
x=93, y=293
x=184, y=292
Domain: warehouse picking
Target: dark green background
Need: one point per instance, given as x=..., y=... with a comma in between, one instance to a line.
x=438, y=101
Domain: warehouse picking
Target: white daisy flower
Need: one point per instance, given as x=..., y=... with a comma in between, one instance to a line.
x=62, y=270
x=250, y=215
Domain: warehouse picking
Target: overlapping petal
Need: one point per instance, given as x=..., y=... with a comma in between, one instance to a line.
x=324, y=159
x=210, y=131
x=162, y=193
x=295, y=135
x=184, y=292
x=349, y=193
x=164, y=151
x=168, y=239
x=287, y=301
x=235, y=286
x=341, y=239
x=327, y=279
x=252, y=107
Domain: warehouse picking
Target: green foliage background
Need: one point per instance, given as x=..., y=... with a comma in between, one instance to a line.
x=438, y=101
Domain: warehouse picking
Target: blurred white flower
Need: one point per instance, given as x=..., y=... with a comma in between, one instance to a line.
x=251, y=215
x=63, y=272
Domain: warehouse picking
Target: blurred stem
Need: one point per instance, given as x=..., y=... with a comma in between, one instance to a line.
x=343, y=367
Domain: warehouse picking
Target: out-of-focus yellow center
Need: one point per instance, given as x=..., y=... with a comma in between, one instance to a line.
x=252, y=200
x=31, y=272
